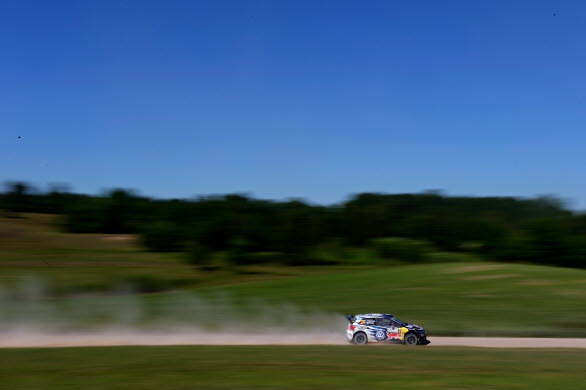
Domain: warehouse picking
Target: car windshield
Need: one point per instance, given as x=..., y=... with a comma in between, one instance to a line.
x=399, y=321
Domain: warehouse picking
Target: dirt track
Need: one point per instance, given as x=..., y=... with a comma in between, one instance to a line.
x=45, y=340
x=509, y=342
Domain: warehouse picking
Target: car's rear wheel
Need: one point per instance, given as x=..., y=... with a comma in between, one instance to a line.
x=411, y=339
x=360, y=338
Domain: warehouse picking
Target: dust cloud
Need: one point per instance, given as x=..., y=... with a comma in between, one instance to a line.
x=30, y=317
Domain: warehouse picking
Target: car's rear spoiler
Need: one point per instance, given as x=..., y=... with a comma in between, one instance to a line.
x=350, y=318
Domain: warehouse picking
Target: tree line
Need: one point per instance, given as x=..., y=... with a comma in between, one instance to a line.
x=247, y=230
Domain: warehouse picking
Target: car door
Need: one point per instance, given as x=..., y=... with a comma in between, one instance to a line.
x=395, y=331
x=383, y=329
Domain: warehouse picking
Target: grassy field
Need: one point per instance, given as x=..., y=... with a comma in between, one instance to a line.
x=447, y=299
x=463, y=298
x=33, y=247
x=291, y=367
x=470, y=298
x=476, y=298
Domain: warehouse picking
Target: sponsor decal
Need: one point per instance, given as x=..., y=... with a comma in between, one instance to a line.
x=380, y=335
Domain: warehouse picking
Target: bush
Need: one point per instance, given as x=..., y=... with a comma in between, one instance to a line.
x=147, y=283
x=330, y=252
x=402, y=249
x=198, y=255
x=257, y=258
x=450, y=257
x=238, y=254
x=162, y=237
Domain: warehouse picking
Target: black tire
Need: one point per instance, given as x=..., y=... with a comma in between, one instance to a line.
x=360, y=338
x=411, y=339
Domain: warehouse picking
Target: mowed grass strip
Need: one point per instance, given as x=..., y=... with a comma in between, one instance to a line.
x=290, y=367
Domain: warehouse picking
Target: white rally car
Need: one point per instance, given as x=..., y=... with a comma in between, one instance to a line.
x=374, y=327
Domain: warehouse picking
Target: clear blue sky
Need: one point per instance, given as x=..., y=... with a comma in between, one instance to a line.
x=313, y=99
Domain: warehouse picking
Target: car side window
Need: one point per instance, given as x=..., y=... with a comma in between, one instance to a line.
x=369, y=321
x=383, y=322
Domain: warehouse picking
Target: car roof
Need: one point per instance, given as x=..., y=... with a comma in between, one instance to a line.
x=373, y=315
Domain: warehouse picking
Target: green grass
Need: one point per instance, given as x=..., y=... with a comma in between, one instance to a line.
x=460, y=298
x=33, y=247
x=476, y=299
x=290, y=367
x=463, y=298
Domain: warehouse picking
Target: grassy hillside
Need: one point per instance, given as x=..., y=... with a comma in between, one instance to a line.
x=271, y=367
x=32, y=246
x=461, y=298
x=446, y=298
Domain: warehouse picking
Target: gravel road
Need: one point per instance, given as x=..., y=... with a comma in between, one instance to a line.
x=36, y=339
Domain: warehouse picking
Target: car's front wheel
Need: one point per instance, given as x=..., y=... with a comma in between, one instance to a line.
x=411, y=339
x=360, y=338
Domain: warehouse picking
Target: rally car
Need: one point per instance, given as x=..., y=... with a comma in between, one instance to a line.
x=374, y=327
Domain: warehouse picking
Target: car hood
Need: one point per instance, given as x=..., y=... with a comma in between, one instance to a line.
x=415, y=327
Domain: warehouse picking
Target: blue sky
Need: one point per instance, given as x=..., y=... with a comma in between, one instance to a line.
x=311, y=99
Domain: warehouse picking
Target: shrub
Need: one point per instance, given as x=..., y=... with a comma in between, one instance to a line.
x=198, y=255
x=147, y=283
x=402, y=249
x=162, y=237
x=330, y=252
x=450, y=257
x=257, y=258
